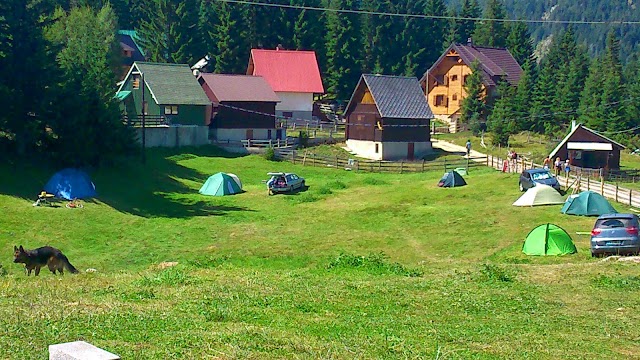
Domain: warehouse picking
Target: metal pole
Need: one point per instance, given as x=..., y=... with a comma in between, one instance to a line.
x=144, y=139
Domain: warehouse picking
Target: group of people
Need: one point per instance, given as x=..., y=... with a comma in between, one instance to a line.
x=558, y=165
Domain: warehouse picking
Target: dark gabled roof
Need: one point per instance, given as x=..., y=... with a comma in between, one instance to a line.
x=239, y=88
x=495, y=63
x=573, y=130
x=171, y=84
x=129, y=41
x=396, y=96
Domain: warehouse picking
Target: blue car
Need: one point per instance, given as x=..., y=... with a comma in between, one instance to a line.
x=529, y=178
x=615, y=234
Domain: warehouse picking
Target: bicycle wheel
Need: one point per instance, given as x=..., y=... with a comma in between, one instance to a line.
x=69, y=206
x=79, y=205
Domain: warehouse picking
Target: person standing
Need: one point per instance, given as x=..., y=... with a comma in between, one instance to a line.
x=546, y=163
x=468, y=146
x=558, y=165
x=567, y=167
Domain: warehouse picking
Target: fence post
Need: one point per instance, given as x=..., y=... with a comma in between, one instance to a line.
x=467, y=164
x=270, y=143
x=602, y=185
x=588, y=184
x=616, y=192
x=630, y=194
x=336, y=161
x=293, y=157
x=379, y=165
x=248, y=143
x=488, y=160
x=401, y=165
x=422, y=165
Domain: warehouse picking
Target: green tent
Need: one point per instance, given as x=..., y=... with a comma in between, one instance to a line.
x=451, y=179
x=587, y=203
x=220, y=184
x=548, y=239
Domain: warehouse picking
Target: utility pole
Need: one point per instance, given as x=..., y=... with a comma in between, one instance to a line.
x=144, y=110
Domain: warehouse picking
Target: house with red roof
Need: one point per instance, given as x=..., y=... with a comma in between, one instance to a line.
x=443, y=83
x=294, y=75
x=242, y=107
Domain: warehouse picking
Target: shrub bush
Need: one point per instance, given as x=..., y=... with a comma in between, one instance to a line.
x=270, y=154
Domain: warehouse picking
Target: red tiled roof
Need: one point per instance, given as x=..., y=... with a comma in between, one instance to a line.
x=287, y=70
x=239, y=88
x=495, y=62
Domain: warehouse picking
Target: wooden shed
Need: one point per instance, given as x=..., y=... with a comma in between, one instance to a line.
x=587, y=148
x=387, y=118
x=244, y=107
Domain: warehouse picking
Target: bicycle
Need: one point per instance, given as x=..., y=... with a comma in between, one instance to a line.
x=74, y=204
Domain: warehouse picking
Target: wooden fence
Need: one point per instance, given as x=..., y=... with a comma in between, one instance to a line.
x=307, y=158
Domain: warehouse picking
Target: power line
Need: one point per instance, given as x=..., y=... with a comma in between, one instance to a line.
x=432, y=17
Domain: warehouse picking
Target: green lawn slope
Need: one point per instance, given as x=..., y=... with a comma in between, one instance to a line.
x=367, y=266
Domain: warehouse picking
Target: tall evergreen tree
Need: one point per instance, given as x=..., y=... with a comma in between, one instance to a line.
x=168, y=31
x=88, y=129
x=502, y=120
x=612, y=102
x=519, y=43
x=228, y=40
x=490, y=32
x=343, y=38
x=590, y=111
x=462, y=30
x=473, y=107
x=522, y=97
x=25, y=58
x=541, y=107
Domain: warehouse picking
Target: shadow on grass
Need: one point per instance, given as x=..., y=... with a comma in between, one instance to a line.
x=293, y=192
x=153, y=189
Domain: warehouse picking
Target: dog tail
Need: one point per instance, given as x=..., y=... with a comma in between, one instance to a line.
x=68, y=265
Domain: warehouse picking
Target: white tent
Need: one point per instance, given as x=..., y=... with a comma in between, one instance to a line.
x=540, y=195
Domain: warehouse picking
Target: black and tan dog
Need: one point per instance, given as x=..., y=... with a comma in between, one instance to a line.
x=37, y=258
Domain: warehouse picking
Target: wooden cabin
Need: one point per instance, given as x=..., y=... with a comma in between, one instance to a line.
x=443, y=83
x=587, y=148
x=172, y=95
x=387, y=118
x=243, y=107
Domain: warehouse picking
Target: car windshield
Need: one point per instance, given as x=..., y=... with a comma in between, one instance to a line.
x=541, y=175
x=613, y=223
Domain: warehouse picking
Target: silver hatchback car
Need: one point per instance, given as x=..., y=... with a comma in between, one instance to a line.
x=615, y=234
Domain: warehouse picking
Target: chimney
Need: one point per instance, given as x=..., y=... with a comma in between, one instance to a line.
x=469, y=42
x=574, y=125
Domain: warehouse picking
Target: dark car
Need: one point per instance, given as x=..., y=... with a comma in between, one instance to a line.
x=284, y=182
x=615, y=234
x=529, y=178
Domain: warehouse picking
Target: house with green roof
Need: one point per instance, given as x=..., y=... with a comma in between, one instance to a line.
x=168, y=94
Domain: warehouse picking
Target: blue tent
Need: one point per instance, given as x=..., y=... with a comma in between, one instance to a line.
x=71, y=184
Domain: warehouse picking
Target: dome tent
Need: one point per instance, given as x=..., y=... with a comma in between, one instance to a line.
x=587, y=203
x=71, y=184
x=548, y=239
x=451, y=179
x=220, y=184
x=540, y=194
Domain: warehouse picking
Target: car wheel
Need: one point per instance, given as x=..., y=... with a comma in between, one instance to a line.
x=302, y=185
x=521, y=187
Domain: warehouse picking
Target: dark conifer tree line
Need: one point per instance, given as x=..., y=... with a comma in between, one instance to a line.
x=59, y=59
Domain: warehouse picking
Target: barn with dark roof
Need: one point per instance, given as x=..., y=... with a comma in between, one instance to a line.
x=387, y=118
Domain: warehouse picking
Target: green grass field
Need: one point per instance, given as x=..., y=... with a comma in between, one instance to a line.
x=359, y=266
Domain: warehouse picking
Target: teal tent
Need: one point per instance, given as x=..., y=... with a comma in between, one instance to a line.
x=548, y=239
x=220, y=184
x=451, y=179
x=587, y=203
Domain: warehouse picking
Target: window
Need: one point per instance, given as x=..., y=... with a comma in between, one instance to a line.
x=464, y=79
x=171, y=110
x=287, y=114
x=454, y=77
x=377, y=148
x=136, y=82
x=441, y=100
x=454, y=97
x=360, y=118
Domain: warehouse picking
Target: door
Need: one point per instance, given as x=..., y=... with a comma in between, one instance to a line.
x=410, y=150
x=249, y=134
x=279, y=134
x=269, y=134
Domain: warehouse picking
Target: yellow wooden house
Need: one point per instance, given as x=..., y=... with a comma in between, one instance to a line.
x=443, y=83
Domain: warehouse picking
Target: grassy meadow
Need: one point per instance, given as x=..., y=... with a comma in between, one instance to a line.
x=358, y=266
